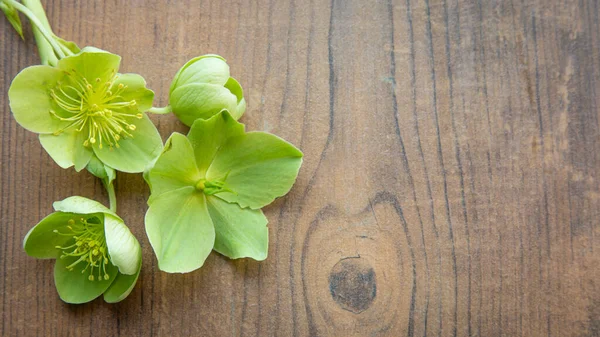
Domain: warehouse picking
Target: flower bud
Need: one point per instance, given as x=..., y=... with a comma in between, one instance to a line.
x=203, y=88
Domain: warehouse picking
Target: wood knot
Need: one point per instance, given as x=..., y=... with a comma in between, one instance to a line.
x=352, y=284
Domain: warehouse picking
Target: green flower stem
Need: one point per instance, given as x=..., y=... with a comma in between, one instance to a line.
x=161, y=111
x=48, y=35
x=112, y=198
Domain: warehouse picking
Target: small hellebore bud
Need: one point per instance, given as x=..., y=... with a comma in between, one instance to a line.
x=203, y=88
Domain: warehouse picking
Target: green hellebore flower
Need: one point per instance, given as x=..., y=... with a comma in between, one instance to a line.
x=202, y=88
x=208, y=188
x=83, y=107
x=95, y=252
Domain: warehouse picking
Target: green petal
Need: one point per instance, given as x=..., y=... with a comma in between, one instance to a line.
x=193, y=101
x=123, y=285
x=202, y=69
x=81, y=205
x=92, y=63
x=259, y=167
x=208, y=136
x=67, y=149
x=240, y=232
x=180, y=230
x=136, y=153
x=175, y=168
x=75, y=287
x=123, y=248
x=41, y=241
x=30, y=101
x=234, y=86
x=135, y=90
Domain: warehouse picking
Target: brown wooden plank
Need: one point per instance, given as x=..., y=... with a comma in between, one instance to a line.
x=450, y=185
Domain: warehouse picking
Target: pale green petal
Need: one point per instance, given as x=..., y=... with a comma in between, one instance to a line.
x=30, y=101
x=75, y=287
x=123, y=248
x=193, y=101
x=240, y=232
x=202, y=69
x=135, y=89
x=123, y=285
x=234, y=86
x=67, y=149
x=241, y=108
x=92, y=63
x=175, y=168
x=81, y=205
x=208, y=136
x=136, y=153
x=259, y=167
x=41, y=241
x=180, y=230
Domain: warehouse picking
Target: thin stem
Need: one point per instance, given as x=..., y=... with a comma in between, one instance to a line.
x=33, y=18
x=112, y=198
x=161, y=111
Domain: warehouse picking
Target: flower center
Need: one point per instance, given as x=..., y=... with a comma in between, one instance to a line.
x=212, y=187
x=89, y=247
x=96, y=107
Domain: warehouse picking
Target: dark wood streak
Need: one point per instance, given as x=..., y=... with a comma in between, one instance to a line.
x=443, y=169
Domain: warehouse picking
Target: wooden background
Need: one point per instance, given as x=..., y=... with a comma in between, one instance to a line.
x=450, y=184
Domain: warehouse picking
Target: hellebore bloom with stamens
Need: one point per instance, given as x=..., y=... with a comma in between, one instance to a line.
x=95, y=252
x=208, y=188
x=83, y=107
x=202, y=88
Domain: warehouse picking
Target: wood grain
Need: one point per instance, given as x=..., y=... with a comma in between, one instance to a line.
x=450, y=184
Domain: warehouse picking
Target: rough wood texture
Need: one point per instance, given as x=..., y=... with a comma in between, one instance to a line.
x=450, y=184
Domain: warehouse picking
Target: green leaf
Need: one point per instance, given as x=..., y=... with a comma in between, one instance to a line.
x=30, y=100
x=240, y=232
x=202, y=69
x=175, y=168
x=81, y=205
x=123, y=247
x=208, y=136
x=74, y=286
x=136, y=153
x=123, y=285
x=180, y=230
x=41, y=241
x=194, y=101
x=67, y=149
x=13, y=17
x=92, y=63
x=135, y=89
x=260, y=168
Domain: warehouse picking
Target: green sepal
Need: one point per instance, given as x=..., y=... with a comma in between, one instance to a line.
x=180, y=230
x=104, y=172
x=41, y=240
x=123, y=285
x=75, y=287
x=240, y=232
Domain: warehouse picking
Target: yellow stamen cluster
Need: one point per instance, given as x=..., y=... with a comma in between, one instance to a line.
x=88, y=247
x=96, y=108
